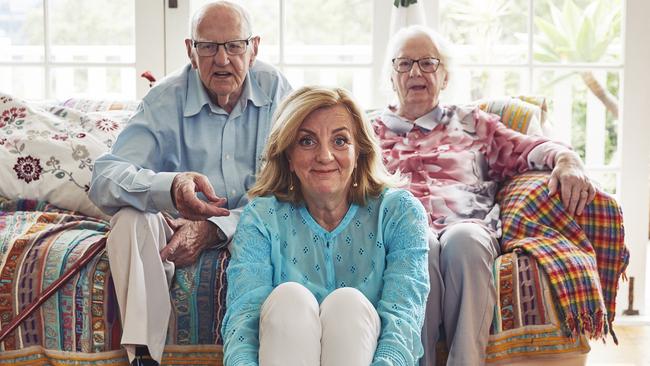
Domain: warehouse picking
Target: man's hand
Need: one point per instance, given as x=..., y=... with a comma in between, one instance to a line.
x=184, y=189
x=189, y=240
x=576, y=189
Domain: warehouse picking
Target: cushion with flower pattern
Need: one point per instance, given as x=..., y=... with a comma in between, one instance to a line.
x=47, y=150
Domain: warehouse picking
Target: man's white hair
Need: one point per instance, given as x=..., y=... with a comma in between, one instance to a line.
x=244, y=16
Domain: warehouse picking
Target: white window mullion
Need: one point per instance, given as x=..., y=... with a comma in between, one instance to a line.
x=432, y=11
x=635, y=149
x=281, y=39
x=47, y=42
x=531, y=50
x=149, y=41
x=380, y=37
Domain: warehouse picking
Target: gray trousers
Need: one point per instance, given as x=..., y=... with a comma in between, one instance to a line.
x=462, y=295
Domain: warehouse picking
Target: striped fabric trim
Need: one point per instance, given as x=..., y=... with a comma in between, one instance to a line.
x=173, y=355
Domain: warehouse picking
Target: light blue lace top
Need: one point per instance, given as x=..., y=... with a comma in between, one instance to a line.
x=379, y=249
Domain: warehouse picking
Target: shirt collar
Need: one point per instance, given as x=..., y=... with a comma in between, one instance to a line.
x=197, y=96
x=399, y=124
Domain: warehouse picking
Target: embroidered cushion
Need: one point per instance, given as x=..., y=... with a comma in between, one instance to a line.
x=47, y=150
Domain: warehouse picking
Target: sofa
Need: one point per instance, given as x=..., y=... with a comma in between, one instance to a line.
x=47, y=224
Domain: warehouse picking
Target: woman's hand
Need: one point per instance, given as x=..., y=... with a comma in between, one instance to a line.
x=575, y=188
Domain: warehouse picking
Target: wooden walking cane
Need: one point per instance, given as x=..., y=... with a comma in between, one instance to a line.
x=51, y=290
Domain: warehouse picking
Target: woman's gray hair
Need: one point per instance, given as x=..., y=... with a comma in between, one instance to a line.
x=398, y=40
x=244, y=15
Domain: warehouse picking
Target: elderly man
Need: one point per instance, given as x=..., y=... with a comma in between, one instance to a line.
x=191, y=150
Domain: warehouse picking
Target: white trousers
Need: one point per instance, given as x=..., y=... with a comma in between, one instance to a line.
x=141, y=278
x=295, y=331
x=462, y=295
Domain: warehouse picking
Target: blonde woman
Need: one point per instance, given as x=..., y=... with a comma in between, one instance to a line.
x=329, y=261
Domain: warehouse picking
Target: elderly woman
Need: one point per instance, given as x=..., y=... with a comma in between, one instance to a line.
x=454, y=159
x=329, y=261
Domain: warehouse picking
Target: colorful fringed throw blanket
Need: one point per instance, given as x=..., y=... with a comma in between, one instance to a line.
x=582, y=256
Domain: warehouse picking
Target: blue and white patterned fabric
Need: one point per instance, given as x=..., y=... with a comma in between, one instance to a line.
x=380, y=249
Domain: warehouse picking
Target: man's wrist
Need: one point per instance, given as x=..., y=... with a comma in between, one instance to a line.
x=220, y=236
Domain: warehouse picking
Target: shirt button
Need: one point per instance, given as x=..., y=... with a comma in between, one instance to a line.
x=227, y=156
x=233, y=192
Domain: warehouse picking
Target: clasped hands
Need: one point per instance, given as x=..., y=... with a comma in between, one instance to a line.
x=570, y=180
x=192, y=232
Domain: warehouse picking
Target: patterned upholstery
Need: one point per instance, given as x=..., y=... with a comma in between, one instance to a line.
x=39, y=241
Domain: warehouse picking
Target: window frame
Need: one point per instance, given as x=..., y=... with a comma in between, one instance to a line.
x=47, y=64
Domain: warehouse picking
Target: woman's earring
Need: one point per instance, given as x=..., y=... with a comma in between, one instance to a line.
x=355, y=184
x=291, y=183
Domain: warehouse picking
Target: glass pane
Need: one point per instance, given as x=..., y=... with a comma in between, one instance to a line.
x=578, y=31
x=356, y=80
x=266, y=23
x=23, y=82
x=83, y=31
x=470, y=84
x=21, y=30
x=328, y=31
x=581, y=114
x=486, y=31
x=93, y=82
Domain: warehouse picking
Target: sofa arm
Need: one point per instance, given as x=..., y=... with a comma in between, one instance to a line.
x=601, y=223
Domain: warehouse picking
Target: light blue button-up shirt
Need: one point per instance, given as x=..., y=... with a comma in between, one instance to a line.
x=178, y=129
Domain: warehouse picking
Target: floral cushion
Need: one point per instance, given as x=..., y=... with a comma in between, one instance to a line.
x=47, y=150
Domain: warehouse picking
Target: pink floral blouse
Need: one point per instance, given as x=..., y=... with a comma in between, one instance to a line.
x=454, y=157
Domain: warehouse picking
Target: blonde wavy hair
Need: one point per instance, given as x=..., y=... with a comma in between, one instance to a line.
x=275, y=178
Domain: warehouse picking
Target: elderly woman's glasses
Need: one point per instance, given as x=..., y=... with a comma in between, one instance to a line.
x=207, y=49
x=427, y=64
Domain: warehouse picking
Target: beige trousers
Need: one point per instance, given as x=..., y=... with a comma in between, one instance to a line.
x=141, y=278
x=295, y=331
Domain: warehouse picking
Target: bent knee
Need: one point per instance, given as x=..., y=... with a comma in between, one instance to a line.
x=290, y=299
x=468, y=243
x=131, y=216
x=345, y=298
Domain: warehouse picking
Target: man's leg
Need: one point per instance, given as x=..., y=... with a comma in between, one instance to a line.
x=466, y=260
x=433, y=316
x=141, y=278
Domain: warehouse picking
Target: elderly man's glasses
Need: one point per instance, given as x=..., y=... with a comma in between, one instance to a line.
x=427, y=64
x=207, y=49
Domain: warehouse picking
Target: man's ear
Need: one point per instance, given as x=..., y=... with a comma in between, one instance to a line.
x=255, y=42
x=188, y=47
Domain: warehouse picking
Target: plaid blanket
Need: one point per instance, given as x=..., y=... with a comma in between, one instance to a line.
x=582, y=256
